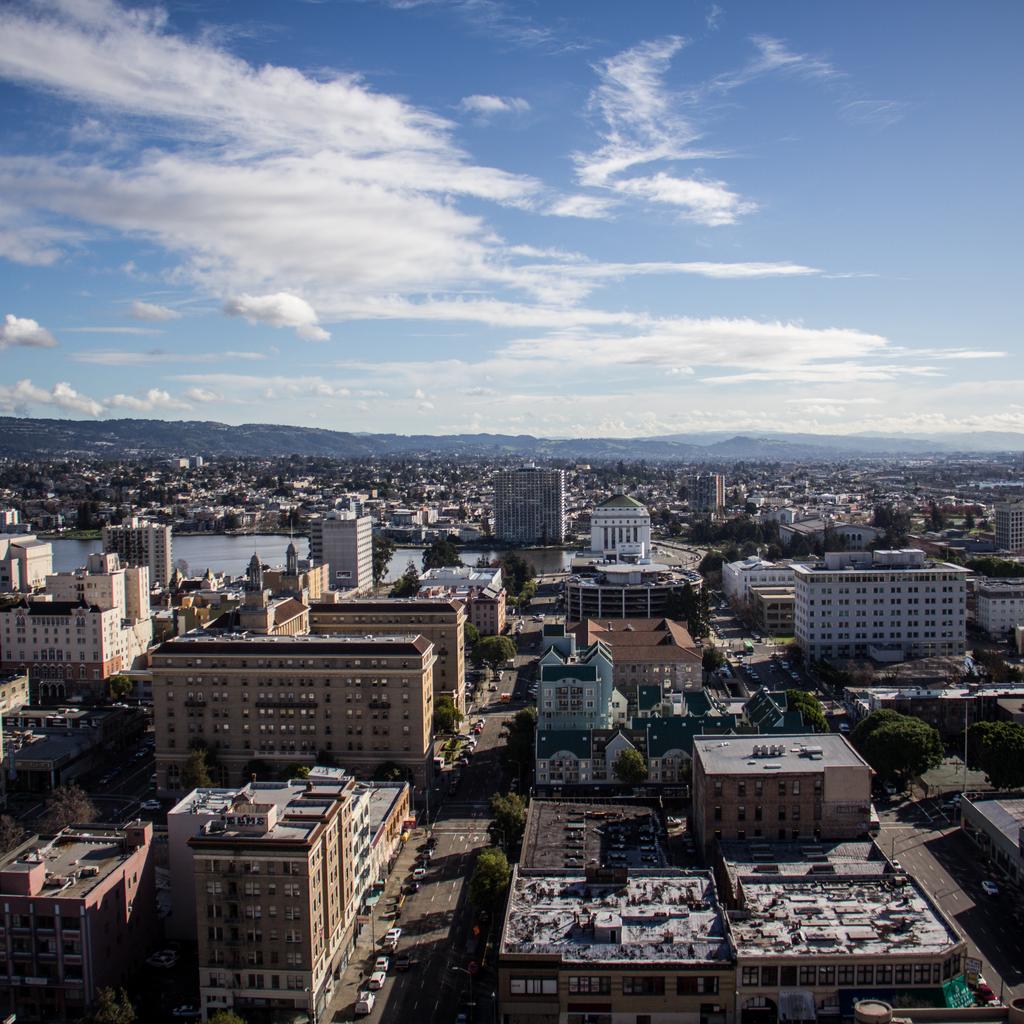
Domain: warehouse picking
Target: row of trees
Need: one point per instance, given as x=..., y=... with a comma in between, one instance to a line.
x=997, y=749
x=113, y=1006
x=899, y=747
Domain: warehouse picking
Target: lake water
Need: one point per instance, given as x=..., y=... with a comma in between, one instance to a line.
x=232, y=554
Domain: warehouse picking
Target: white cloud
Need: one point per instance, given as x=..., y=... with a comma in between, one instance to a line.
x=584, y=207
x=151, y=311
x=154, y=399
x=486, y=107
x=126, y=357
x=279, y=310
x=706, y=202
x=112, y=330
x=202, y=395
x=17, y=330
x=21, y=397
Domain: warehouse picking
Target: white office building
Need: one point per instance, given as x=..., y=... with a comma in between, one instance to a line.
x=1000, y=606
x=739, y=577
x=529, y=506
x=885, y=605
x=25, y=562
x=142, y=543
x=1010, y=526
x=620, y=529
x=344, y=542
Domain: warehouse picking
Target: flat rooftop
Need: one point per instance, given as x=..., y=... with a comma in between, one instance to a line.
x=76, y=860
x=661, y=917
x=752, y=859
x=342, y=645
x=735, y=755
x=838, y=916
x=1006, y=816
x=576, y=835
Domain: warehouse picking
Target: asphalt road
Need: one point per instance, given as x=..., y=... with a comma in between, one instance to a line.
x=950, y=867
x=437, y=921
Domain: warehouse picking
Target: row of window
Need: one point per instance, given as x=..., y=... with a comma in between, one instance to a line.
x=809, y=975
x=632, y=985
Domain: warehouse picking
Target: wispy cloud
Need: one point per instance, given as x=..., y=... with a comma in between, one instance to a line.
x=875, y=113
x=152, y=311
x=483, y=108
x=117, y=329
x=24, y=331
x=123, y=357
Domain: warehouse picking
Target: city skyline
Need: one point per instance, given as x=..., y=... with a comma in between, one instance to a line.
x=423, y=216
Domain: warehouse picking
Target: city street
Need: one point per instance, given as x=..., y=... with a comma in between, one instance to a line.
x=437, y=922
x=947, y=864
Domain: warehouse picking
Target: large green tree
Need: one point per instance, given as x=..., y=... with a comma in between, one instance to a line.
x=490, y=879
x=119, y=687
x=712, y=658
x=409, y=583
x=440, y=554
x=897, y=746
x=630, y=768
x=810, y=707
x=509, y=822
x=383, y=552
x=195, y=773
x=515, y=571
x=997, y=749
x=446, y=715
x=494, y=651
x=522, y=731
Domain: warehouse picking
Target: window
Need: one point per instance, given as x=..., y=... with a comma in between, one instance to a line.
x=883, y=974
x=826, y=975
x=718, y=814
x=902, y=974
x=922, y=974
x=697, y=986
x=807, y=974
x=533, y=986
x=589, y=986
x=749, y=976
x=643, y=985
x=845, y=975
x=865, y=974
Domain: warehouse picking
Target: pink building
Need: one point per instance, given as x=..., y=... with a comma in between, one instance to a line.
x=77, y=913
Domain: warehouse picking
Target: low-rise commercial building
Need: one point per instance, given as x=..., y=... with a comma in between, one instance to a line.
x=614, y=945
x=999, y=606
x=998, y=827
x=772, y=609
x=782, y=787
x=480, y=591
x=442, y=622
x=77, y=914
x=738, y=577
x=365, y=701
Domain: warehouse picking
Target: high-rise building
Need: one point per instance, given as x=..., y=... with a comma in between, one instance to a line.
x=270, y=876
x=529, y=506
x=139, y=542
x=707, y=492
x=364, y=700
x=25, y=562
x=1010, y=525
x=442, y=622
x=886, y=605
x=79, y=913
x=620, y=528
x=345, y=544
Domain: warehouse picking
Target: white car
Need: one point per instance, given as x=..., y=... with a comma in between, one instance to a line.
x=392, y=935
x=382, y=964
x=364, y=1002
x=989, y=888
x=419, y=873
x=376, y=981
x=150, y=805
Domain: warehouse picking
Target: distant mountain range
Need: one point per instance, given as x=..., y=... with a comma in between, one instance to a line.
x=46, y=438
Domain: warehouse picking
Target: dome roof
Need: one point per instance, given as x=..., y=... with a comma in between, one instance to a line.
x=621, y=501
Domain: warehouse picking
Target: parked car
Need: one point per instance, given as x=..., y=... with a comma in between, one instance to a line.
x=364, y=1002
x=419, y=873
x=989, y=888
x=382, y=964
x=376, y=981
x=404, y=961
x=391, y=937
x=165, y=958
x=150, y=805
x=187, y=1011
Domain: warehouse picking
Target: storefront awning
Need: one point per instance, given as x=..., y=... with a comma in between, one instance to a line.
x=796, y=1004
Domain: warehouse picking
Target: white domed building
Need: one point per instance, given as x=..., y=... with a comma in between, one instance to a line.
x=620, y=530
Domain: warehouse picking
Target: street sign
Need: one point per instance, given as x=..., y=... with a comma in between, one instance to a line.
x=972, y=970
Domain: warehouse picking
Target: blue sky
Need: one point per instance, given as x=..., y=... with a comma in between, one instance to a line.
x=559, y=218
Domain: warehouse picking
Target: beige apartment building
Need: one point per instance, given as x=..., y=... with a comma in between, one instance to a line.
x=441, y=622
x=782, y=787
x=271, y=872
x=362, y=701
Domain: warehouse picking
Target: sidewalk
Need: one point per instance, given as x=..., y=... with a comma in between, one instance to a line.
x=367, y=946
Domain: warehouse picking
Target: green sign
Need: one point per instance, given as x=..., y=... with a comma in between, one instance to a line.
x=957, y=994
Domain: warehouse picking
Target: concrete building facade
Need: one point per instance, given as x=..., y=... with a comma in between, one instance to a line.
x=25, y=562
x=886, y=605
x=529, y=506
x=624, y=590
x=345, y=544
x=481, y=592
x=364, y=700
x=779, y=787
x=620, y=528
x=1010, y=526
x=441, y=621
x=78, y=914
x=999, y=606
x=140, y=542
